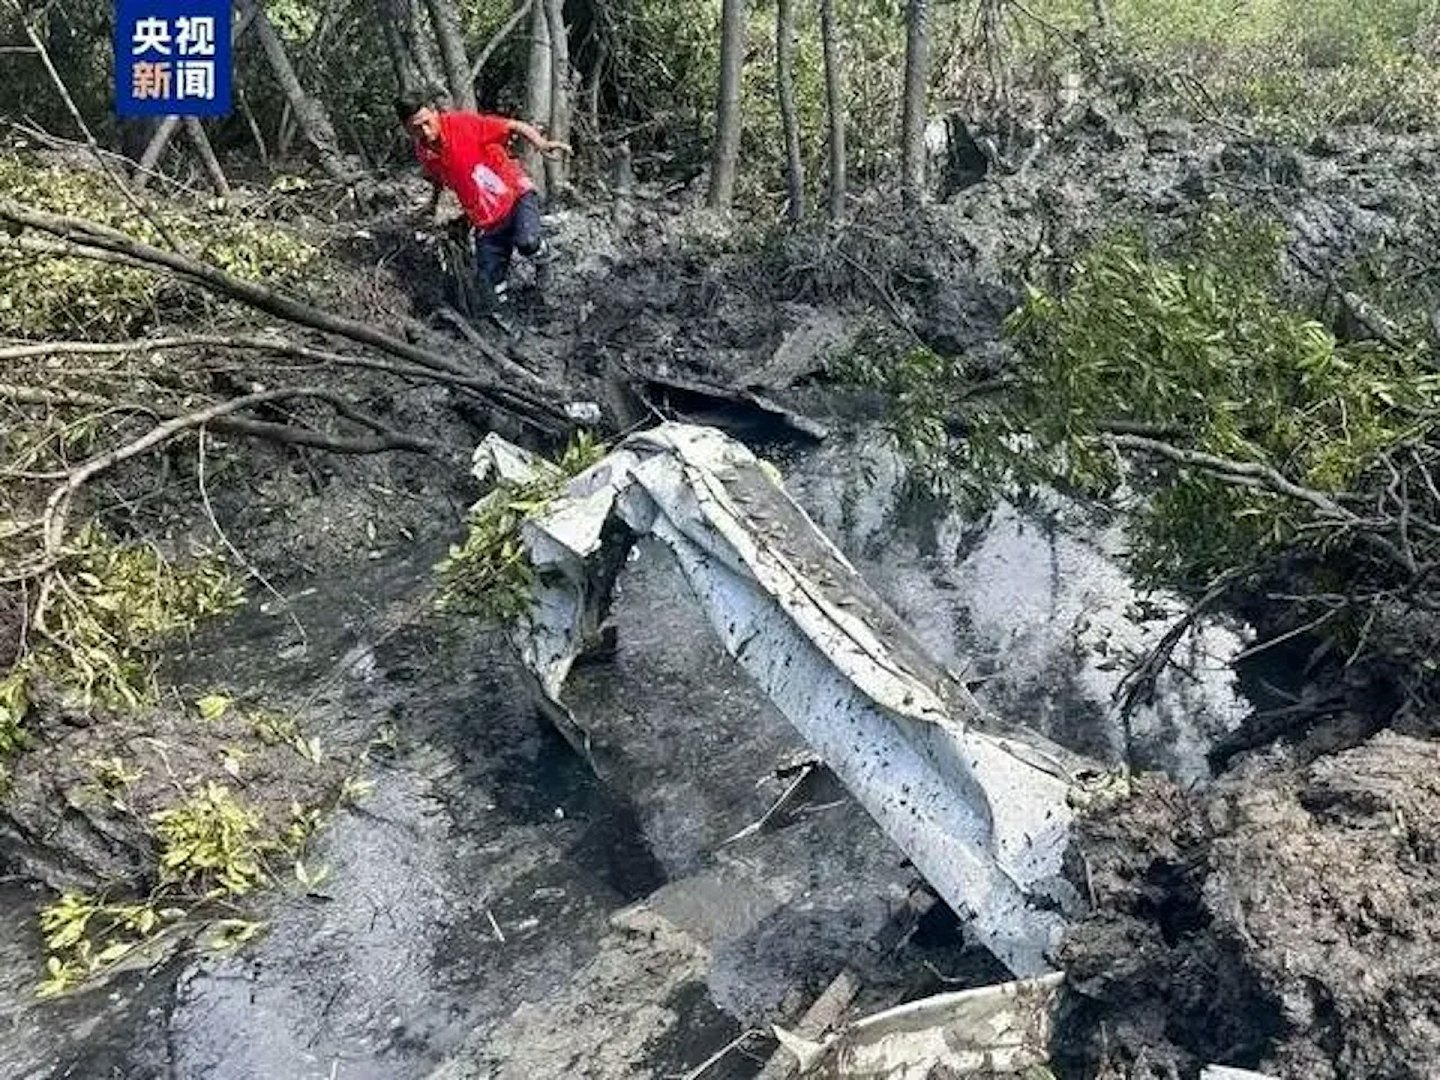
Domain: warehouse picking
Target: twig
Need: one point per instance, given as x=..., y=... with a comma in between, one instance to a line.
x=721, y=1054
x=1139, y=682
x=499, y=935
x=1280, y=639
x=239, y=556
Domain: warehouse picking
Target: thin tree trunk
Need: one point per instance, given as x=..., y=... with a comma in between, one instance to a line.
x=789, y=118
x=917, y=84
x=393, y=17
x=1102, y=15
x=254, y=125
x=422, y=49
x=537, y=85
x=450, y=33
x=592, y=92
x=834, y=106
x=726, y=149
x=308, y=112
x=206, y=153
x=164, y=132
x=992, y=20
x=562, y=91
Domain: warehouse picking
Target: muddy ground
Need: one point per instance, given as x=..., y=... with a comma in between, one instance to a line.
x=497, y=908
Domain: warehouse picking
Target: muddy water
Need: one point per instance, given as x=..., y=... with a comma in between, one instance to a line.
x=478, y=918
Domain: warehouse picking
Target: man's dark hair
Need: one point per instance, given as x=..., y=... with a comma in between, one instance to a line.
x=409, y=103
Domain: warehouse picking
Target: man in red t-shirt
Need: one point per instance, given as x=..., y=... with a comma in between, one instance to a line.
x=468, y=153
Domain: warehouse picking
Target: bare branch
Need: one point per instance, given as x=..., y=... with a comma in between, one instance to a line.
x=498, y=38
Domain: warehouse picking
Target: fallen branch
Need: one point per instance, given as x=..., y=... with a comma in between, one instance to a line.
x=1271, y=478
x=89, y=239
x=219, y=416
x=1138, y=685
x=255, y=342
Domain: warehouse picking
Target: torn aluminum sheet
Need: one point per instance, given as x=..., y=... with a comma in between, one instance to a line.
x=989, y=1030
x=981, y=811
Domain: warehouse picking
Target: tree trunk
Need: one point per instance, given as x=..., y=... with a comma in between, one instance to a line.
x=164, y=132
x=789, y=119
x=422, y=49
x=726, y=149
x=1102, y=15
x=450, y=33
x=992, y=20
x=207, y=156
x=917, y=85
x=171, y=124
x=309, y=113
x=562, y=91
x=537, y=85
x=834, y=106
x=393, y=17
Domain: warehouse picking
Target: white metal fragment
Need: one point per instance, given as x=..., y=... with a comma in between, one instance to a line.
x=981, y=811
x=991, y=1029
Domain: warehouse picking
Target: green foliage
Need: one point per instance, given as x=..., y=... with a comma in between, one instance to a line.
x=115, y=605
x=490, y=575
x=211, y=841
x=1291, y=67
x=1196, y=347
x=922, y=390
x=85, y=935
x=14, y=704
x=1192, y=347
x=78, y=297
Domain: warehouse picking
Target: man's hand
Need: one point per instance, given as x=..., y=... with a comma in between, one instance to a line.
x=532, y=135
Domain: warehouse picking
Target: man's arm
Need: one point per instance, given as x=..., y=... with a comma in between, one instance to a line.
x=533, y=136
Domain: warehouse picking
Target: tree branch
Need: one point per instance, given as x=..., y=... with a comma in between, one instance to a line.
x=498, y=38
x=88, y=239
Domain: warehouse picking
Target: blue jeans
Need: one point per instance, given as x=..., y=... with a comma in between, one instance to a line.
x=518, y=232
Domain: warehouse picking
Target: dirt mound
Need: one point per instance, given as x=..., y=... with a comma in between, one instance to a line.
x=1280, y=922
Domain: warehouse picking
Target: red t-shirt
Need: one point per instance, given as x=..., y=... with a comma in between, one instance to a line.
x=472, y=161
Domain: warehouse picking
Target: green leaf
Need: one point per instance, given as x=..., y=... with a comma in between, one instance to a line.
x=213, y=706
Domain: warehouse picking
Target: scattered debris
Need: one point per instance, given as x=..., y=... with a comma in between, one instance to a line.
x=1004, y=1028
x=740, y=411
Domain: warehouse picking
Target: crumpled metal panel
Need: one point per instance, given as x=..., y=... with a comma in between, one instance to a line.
x=981, y=811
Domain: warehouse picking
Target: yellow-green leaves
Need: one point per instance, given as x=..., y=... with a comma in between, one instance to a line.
x=78, y=297
x=213, y=706
x=212, y=840
x=489, y=575
x=117, y=605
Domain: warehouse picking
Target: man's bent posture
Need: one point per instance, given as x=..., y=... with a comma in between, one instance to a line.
x=467, y=152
